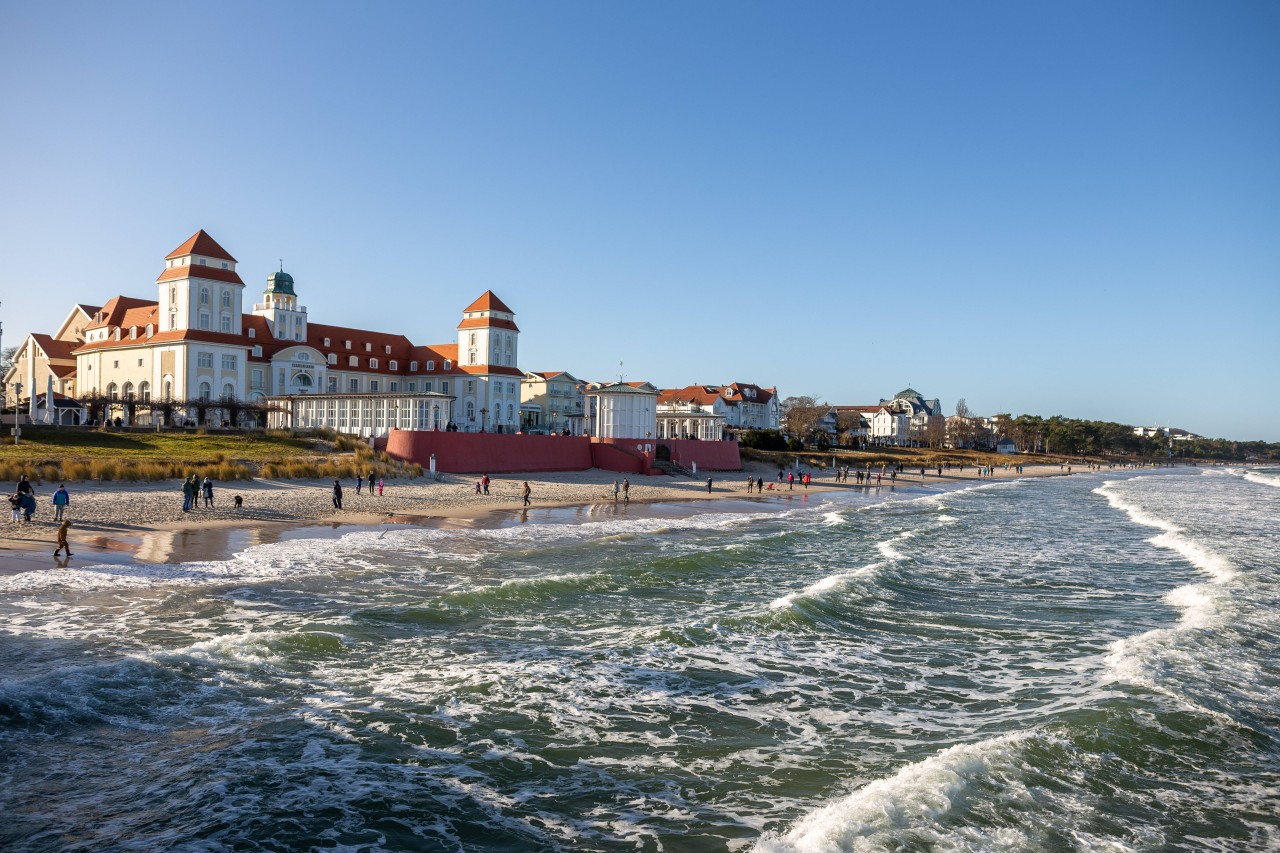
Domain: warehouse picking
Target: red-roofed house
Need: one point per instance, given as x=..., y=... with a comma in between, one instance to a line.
x=704, y=411
x=552, y=401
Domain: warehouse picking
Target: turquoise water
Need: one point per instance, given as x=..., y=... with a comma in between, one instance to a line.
x=1083, y=663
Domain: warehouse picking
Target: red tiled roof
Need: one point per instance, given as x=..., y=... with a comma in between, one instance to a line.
x=701, y=395
x=488, y=302
x=200, y=243
x=199, y=271
x=762, y=395
x=486, y=323
x=54, y=348
x=113, y=312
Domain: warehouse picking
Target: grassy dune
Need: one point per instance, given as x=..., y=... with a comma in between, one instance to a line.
x=49, y=453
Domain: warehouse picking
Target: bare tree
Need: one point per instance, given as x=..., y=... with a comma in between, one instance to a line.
x=848, y=424
x=802, y=418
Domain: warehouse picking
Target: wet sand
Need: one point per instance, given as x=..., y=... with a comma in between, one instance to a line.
x=122, y=523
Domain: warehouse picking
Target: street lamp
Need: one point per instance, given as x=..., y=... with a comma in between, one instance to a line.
x=484, y=415
x=17, y=398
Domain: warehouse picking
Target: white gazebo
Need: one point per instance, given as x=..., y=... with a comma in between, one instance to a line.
x=622, y=411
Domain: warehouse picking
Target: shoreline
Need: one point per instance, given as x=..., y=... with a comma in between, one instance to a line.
x=127, y=523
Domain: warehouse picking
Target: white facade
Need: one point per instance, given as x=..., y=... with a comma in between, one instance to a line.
x=364, y=415
x=623, y=411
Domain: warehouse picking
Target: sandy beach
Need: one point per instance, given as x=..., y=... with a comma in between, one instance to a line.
x=144, y=521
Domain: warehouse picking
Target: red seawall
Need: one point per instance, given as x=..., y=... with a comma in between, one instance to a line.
x=709, y=455
x=503, y=453
x=493, y=453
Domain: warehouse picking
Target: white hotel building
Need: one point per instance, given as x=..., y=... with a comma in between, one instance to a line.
x=195, y=341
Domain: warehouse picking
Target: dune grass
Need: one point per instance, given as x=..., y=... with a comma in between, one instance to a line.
x=48, y=453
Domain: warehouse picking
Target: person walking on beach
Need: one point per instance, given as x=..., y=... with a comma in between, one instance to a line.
x=525, y=492
x=708, y=485
x=791, y=480
x=188, y=493
x=207, y=490
x=617, y=490
x=337, y=495
x=626, y=490
x=62, y=539
x=61, y=500
x=359, y=481
x=382, y=485
x=484, y=483
x=751, y=484
x=760, y=485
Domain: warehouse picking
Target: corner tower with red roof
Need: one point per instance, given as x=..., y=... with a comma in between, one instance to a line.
x=488, y=347
x=200, y=288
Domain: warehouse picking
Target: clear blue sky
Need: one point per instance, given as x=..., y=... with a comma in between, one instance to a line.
x=1066, y=208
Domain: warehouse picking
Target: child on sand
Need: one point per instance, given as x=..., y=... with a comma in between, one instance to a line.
x=62, y=539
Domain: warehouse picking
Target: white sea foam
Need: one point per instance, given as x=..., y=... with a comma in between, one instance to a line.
x=301, y=557
x=1263, y=479
x=1218, y=567
x=823, y=586
x=875, y=816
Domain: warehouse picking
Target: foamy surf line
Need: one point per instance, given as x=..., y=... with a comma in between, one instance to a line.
x=876, y=815
x=311, y=556
x=1218, y=567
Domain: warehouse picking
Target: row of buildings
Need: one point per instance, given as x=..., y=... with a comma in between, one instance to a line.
x=199, y=350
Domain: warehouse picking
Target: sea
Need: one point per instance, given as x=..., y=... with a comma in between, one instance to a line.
x=1076, y=663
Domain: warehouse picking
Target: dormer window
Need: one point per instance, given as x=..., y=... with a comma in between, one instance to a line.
x=448, y=365
x=253, y=333
x=326, y=342
x=257, y=351
x=348, y=344
x=368, y=347
x=373, y=364
x=387, y=349
x=413, y=367
x=224, y=265
x=332, y=359
x=352, y=361
x=202, y=262
x=431, y=365
x=393, y=365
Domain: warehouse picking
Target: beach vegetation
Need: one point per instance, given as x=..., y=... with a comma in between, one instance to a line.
x=78, y=454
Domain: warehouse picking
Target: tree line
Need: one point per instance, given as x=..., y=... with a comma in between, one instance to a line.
x=808, y=422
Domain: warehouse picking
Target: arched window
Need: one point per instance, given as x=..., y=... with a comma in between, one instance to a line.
x=204, y=296
x=144, y=392
x=511, y=413
x=113, y=393
x=373, y=364
x=205, y=391
x=228, y=391
x=302, y=380
x=168, y=389
x=128, y=391
x=471, y=411
x=226, y=299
